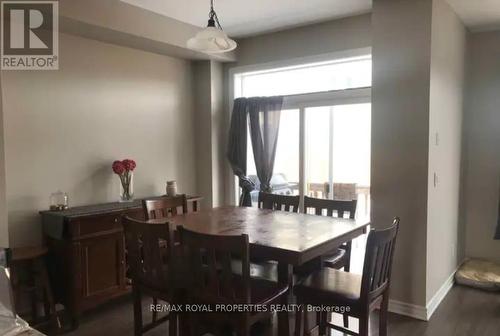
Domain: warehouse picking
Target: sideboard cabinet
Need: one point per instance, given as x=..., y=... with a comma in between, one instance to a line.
x=87, y=263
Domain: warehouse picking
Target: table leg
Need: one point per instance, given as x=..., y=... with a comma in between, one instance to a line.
x=285, y=276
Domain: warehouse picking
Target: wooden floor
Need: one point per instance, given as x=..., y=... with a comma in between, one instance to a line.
x=464, y=312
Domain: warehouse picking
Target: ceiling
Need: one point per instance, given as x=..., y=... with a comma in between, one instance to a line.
x=478, y=15
x=241, y=18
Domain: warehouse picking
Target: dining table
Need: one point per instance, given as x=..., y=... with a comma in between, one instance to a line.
x=290, y=239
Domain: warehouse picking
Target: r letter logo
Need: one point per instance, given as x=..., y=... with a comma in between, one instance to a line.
x=29, y=35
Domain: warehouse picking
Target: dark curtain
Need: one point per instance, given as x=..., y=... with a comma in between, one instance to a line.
x=237, y=149
x=264, y=118
x=264, y=114
x=497, y=234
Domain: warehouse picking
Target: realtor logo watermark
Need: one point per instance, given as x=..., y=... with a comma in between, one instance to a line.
x=30, y=39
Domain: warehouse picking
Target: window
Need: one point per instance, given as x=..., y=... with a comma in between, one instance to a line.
x=316, y=77
x=324, y=138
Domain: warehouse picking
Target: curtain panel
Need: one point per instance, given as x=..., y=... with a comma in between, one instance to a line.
x=497, y=234
x=264, y=116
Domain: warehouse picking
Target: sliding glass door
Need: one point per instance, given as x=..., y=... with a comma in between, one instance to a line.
x=323, y=145
x=334, y=142
x=337, y=153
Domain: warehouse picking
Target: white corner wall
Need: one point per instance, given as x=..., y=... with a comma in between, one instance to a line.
x=400, y=137
x=447, y=81
x=4, y=224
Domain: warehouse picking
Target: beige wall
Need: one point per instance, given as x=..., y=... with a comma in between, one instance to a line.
x=64, y=128
x=482, y=120
x=203, y=111
x=4, y=224
x=445, y=144
x=338, y=35
x=210, y=135
x=400, y=135
x=219, y=134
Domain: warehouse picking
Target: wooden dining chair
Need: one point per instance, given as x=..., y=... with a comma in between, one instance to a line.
x=278, y=202
x=29, y=278
x=209, y=258
x=151, y=258
x=164, y=207
x=361, y=293
x=341, y=258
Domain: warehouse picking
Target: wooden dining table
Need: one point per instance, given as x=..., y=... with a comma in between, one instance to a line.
x=291, y=239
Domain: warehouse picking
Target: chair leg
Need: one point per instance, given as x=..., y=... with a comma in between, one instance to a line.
x=383, y=316
x=137, y=311
x=347, y=265
x=346, y=320
x=49, y=303
x=364, y=325
x=299, y=316
x=193, y=324
x=323, y=318
x=307, y=327
x=243, y=329
x=155, y=313
x=172, y=325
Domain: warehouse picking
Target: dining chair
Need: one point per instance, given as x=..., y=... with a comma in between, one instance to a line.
x=360, y=293
x=278, y=202
x=341, y=258
x=164, y=207
x=209, y=259
x=29, y=278
x=151, y=259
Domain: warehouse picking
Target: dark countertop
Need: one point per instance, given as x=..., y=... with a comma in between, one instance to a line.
x=53, y=222
x=94, y=209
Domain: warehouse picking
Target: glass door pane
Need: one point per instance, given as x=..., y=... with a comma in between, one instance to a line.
x=285, y=178
x=338, y=145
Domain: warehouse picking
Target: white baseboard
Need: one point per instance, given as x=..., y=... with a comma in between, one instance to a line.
x=421, y=312
x=407, y=309
x=441, y=294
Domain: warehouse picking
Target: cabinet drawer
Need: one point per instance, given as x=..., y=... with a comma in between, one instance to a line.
x=93, y=225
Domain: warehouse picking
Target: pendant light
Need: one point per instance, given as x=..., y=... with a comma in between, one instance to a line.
x=212, y=39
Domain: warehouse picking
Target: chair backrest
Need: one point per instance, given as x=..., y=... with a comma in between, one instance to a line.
x=164, y=207
x=209, y=261
x=378, y=261
x=150, y=253
x=279, y=202
x=319, y=205
x=344, y=191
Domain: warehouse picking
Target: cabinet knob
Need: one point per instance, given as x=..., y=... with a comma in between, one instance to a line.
x=116, y=220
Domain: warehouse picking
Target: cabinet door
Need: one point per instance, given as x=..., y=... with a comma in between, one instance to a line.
x=102, y=265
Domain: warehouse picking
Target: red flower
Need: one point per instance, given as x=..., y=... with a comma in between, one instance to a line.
x=129, y=164
x=118, y=167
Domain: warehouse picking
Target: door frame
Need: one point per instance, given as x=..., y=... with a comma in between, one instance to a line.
x=301, y=102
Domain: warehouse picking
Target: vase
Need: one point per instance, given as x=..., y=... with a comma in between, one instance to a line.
x=171, y=188
x=127, y=187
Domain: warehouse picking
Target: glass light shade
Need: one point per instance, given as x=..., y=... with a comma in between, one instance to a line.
x=211, y=40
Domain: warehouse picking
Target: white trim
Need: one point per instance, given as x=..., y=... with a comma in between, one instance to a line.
x=298, y=61
x=327, y=98
x=407, y=309
x=438, y=297
x=421, y=312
